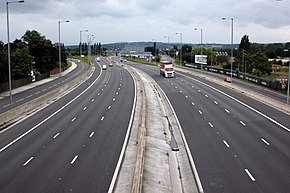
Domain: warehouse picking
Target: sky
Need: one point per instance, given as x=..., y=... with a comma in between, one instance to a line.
x=110, y=21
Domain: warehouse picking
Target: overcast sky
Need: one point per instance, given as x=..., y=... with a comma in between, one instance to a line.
x=265, y=21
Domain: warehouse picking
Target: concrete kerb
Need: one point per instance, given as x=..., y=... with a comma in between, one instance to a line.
x=20, y=111
x=163, y=170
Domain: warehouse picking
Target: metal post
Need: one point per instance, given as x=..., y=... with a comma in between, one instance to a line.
x=59, y=50
x=81, y=40
x=232, y=42
x=180, y=59
x=8, y=44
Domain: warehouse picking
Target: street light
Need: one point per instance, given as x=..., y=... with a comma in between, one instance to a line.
x=200, y=47
x=59, y=51
x=8, y=44
x=232, y=41
x=167, y=43
x=81, y=40
x=89, y=46
x=180, y=59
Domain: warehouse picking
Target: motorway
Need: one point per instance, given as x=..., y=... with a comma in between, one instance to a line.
x=27, y=95
x=238, y=144
x=73, y=145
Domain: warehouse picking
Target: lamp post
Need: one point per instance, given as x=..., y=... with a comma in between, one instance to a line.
x=8, y=44
x=81, y=40
x=200, y=47
x=89, y=46
x=232, y=41
x=180, y=59
x=59, y=50
x=167, y=43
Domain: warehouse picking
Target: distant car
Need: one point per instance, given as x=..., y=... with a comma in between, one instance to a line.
x=104, y=67
x=110, y=64
x=98, y=59
x=227, y=79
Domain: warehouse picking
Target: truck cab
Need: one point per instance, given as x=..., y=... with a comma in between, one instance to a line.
x=167, y=69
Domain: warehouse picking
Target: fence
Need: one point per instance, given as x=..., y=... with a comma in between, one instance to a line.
x=257, y=80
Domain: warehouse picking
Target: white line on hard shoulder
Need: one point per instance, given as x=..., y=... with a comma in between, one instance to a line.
x=244, y=104
x=49, y=117
x=266, y=142
x=27, y=162
x=250, y=175
x=74, y=159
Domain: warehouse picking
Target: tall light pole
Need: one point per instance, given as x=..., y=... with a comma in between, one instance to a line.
x=180, y=59
x=8, y=44
x=81, y=40
x=59, y=50
x=232, y=41
x=167, y=43
x=288, y=79
x=89, y=46
x=200, y=47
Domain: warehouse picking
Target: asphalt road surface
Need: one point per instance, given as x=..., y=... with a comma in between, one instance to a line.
x=73, y=145
x=27, y=95
x=238, y=144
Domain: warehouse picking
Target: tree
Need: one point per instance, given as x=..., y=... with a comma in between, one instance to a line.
x=259, y=64
x=245, y=43
x=3, y=63
x=21, y=63
x=43, y=51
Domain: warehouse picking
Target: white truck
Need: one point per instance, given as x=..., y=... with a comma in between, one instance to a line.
x=167, y=69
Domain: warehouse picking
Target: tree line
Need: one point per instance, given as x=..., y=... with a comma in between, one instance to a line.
x=32, y=52
x=251, y=58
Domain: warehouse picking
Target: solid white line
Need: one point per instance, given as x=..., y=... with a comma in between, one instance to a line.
x=266, y=142
x=91, y=135
x=49, y=117
x=56, y=135
x=74, y=159
x=244, y=104
x=226, y=143
x=28, y=161
x=243, y=123
x=226, y=110
x=250, y=175
x=210, y=124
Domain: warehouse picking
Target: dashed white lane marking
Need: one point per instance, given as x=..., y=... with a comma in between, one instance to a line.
x=244, y=124
x=98, y=94
x=114, y=99
x=29, y=96
x=37, y=92
x=44, y=89
x=109, y=107
x=73, y=119
x=198, y=90
x=74, y=159
x=186, y=97
x=192, y=103
x=206, y=96
x=266, y=142
x=93, y=100
x=200, y=112
x=56, y=135
x=5, y=106
x=85, y=108
x=20, y=100
x=250, y=175
x=226, y=143
x=27, y=162
x=216, y=102
x=91, y=135
x=210, y=124
x=102, y=118
x=117, y=93
x=226, y=110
